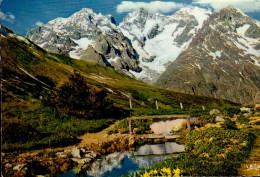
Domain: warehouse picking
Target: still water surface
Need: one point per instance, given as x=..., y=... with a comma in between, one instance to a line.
x=120, y=163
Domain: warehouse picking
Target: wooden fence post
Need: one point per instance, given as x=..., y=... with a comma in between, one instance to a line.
x=188, y=123
x=130, y=126
x=181, y=105
x=130, y=104
x=156, y=104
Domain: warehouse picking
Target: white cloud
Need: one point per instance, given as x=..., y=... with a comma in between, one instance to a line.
x=152, y=7
x=244, y=5
x=38, y=23
x=9, y=17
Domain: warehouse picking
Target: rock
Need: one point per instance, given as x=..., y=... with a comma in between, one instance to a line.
x=61, y=154
x=194, y=120
x=90, y=154
x=219, y=119
x=82, y=160
x=257, y=107
x=19, y=167
x=226, y=82
x=107, y=45
x=214, y=112
x=168, y=126
x=82, y=150
x=75, y=152
x=247, y=114
x=180, y=124
x=244, y=109
x=93, y=56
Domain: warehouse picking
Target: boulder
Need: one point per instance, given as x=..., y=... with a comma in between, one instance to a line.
x=61, y=154
x=75, y=152
x=214, y=112
x=82, y=160
x=257, y=107
x=90, y=154
x=19, y=167
x=219, y=119
x=244, y=109
x=247, y=114
x=168, y=126
x=180, y=124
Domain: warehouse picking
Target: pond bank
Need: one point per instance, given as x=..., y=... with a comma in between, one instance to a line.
x=50, y=162
x=121, y=163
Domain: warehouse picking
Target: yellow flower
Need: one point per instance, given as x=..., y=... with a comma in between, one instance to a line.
x=153, y=172
x=167, y=171
x=146, y=174
x=176, y=172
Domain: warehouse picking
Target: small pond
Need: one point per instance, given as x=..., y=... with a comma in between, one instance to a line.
x=120, y=163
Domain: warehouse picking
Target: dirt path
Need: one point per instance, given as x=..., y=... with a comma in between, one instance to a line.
x=251, y=167
x=99, y=137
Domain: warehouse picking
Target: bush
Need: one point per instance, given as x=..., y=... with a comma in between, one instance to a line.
x=205, y=147
x=242, y=119
x=77, y=98
x=228, y=124
x=231, y=111
x=18, y=132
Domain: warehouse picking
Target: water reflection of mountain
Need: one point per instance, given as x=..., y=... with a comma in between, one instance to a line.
x=119, y=163
x=159, y=149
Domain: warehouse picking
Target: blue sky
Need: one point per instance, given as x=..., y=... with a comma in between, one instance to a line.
x=22, y=15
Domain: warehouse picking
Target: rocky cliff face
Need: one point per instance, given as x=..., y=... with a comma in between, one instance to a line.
x=159, y=39
x=88, y=36
x=222, y=60
x=192, y=51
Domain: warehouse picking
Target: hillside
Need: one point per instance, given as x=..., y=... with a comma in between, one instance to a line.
x=221, y=61
x=29, y=72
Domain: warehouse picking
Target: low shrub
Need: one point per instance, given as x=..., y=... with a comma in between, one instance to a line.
x=228, y=124
x=231, y=111
x=242, y=119
x=212, y=153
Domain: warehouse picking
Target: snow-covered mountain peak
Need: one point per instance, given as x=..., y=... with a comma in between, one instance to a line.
x=193, y=11
x=200, y=14
x=85, y=20
x=88, y=36
x=159, y=39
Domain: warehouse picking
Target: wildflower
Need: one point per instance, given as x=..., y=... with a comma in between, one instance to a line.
x=153, y=172
x=176, y=172
x=167, y=171
x=146, y=174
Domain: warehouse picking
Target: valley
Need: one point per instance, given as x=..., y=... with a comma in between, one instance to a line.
x=70, y=85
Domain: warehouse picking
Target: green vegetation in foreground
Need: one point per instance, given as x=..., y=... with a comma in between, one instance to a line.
x=42, y=127
x=31, y=75
x=211, y=152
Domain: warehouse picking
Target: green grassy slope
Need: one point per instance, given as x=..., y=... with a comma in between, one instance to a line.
x=28, y=71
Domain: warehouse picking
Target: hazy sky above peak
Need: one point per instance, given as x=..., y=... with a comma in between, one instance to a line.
x=23, y=15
